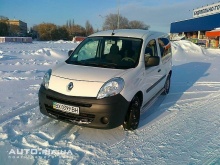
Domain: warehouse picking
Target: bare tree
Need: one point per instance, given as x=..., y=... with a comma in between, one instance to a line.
x=45, y=31
x=138, y=25
x=111, y=22
x=89, y=29
x=4, y=30
x=74, y=29
x=14, y=30
x=4, y=27
x=3, y=18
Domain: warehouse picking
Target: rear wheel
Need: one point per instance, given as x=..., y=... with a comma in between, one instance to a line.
x=167, y=86
x=133, y=115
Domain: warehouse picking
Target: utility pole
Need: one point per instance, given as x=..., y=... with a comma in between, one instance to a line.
x=118, y=13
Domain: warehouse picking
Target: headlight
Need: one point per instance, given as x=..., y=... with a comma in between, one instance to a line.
x=111, y=88
x=46, y=79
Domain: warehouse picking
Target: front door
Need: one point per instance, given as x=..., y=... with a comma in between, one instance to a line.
x=154, y=75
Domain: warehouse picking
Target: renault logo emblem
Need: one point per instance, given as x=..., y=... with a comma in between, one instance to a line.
x=70, y=86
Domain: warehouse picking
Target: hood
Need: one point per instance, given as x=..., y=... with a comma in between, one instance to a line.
x=86, y=80
x=86, y=73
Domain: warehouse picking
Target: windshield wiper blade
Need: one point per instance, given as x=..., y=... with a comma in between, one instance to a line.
x=111, y=65
x=77, y=62
x=104, y=65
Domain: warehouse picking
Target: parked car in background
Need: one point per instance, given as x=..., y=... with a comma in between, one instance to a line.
x=78, y=39
x=201, y=44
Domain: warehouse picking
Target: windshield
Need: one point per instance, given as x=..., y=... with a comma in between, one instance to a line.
x=107, y=52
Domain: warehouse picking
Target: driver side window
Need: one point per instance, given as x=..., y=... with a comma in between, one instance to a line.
x=88, y=51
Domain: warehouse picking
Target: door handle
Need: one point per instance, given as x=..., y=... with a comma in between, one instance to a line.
x=159, y=70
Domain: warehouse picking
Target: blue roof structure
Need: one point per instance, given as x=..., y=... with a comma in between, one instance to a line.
x=197, y=24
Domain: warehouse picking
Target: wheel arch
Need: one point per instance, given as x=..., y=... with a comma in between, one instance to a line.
x=170, y=72
x=140, y=96
x=130, y=122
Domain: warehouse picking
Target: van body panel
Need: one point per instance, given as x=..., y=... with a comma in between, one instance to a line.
x=86, y=73
x=76, y=83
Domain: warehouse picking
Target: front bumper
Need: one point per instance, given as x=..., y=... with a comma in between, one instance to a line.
x=103, y=113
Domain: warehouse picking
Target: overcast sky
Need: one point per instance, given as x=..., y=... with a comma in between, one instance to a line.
x=156, y=13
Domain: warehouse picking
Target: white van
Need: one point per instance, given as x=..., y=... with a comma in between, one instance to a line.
x=108, y=79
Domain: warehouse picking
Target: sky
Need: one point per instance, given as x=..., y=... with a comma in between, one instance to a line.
x=158, y=14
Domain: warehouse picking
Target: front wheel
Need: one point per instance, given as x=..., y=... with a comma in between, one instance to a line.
x=133, y=115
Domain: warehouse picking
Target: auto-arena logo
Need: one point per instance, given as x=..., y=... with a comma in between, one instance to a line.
x=39, y=152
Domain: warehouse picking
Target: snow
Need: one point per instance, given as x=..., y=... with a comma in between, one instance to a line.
x=180, y=128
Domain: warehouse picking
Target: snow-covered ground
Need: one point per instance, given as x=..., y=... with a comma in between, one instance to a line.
x=180, y=128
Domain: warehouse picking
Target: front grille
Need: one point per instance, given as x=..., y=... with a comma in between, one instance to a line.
x=82, y=118
x=68, y=102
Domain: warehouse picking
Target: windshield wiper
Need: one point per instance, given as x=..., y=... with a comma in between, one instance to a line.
x=95, y=64
x=108, y=65
x=76, y=62
x=91, y=64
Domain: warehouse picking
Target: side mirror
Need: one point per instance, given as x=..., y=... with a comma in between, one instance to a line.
x=70, y=52
x=152, y=61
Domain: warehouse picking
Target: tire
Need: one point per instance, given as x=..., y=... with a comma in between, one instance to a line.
x=167, y=86
x=133, y=115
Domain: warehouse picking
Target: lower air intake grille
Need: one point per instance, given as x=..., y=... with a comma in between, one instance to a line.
x=82, y=118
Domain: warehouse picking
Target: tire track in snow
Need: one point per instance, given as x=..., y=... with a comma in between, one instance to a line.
x=171, y=131
x=52, y=140
x=21, y=134
x=20, y=118
x=164, y=102
x=17, y=112
x=154, y=135
x=42, y=123
x=62, y=139
x=16, y=125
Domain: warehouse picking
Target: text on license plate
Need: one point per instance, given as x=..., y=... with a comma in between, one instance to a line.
x=66, y=108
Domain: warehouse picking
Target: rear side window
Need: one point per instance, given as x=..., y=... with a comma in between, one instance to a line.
x=165, y=46
x=151, y=48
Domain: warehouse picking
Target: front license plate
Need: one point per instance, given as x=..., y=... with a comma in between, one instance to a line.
x=66, y=108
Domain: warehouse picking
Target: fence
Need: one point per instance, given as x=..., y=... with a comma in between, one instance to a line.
x=16, y=39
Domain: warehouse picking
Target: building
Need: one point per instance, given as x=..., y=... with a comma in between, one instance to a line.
x=17, y=28
x=203, y=27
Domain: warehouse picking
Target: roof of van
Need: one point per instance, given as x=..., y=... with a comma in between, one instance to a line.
x=134, y=33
